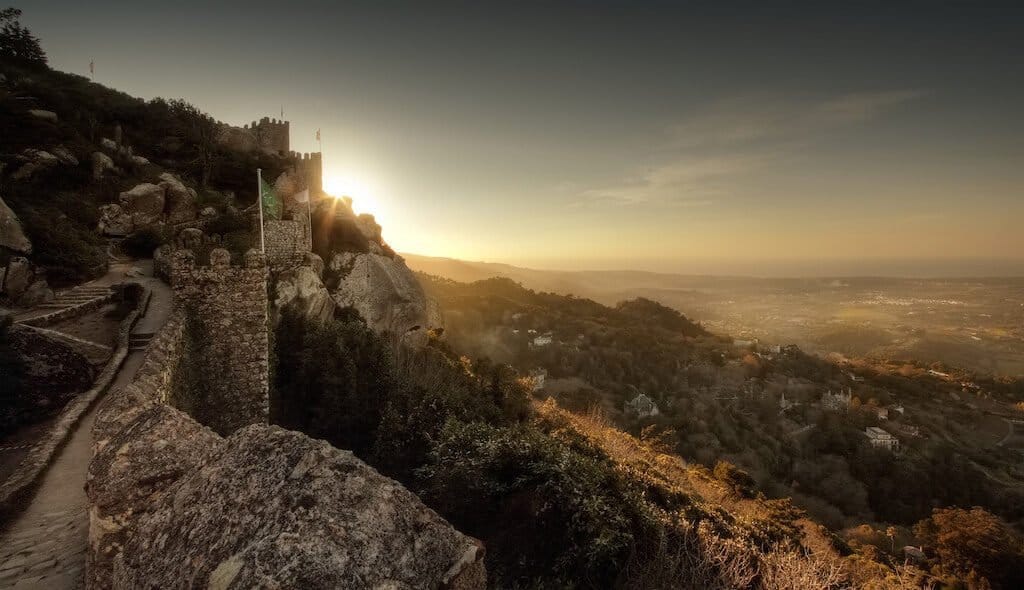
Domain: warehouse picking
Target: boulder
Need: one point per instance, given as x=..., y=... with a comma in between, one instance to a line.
x=12, y=236
x=34, y=160
x=44, y=115
x=37, y=293
x=140, y=161
x=191, y=238
x=384, y=292
x=100, y=164
x=299, y=289
x=180, y=200
x=115, y=221
x=144, y=202
x=65, y=156
x=18, y=277
x=272, y=508
x=208, y=213
x=108, y=144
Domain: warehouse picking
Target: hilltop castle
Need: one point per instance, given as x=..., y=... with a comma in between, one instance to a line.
x=273, y=136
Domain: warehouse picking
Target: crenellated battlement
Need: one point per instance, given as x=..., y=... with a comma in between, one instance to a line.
x=226, y=311
x=271, y=134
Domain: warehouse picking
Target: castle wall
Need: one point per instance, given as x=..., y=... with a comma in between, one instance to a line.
x=226, y=311
x=286, y=241
x=271, y=134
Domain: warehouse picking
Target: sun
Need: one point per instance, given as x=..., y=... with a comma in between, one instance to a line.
x=363, y=196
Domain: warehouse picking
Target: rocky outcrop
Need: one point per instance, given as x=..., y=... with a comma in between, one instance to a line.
x=173, y=504
x=65, y=156
x=44, y=115
x=301, y=290
x=384, y=292
x=23, y=284
x=101, y=163
x=275, y=508
x=115, y=221
x=12, y=236
x=144, y=203
x=33, y=161
x=180, y=200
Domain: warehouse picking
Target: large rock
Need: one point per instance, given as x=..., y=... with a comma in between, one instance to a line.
x=144, y=203
x=12, y=236
x=44, y=115
x=180, y=200
x=100, y=164
x=37, y=293
x=18, y=277
x=115, y=221
x=272, y=508
x=384, y=292
x=65, y=156
x=370, y=228
x=34, y=161
x=300, y=289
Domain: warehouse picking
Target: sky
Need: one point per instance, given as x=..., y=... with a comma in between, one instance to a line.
x=729, y=137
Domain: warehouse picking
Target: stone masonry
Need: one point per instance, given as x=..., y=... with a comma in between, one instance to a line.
x=286, y=242
x=226, y=309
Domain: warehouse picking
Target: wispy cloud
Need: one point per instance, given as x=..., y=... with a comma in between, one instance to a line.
x=701, y=158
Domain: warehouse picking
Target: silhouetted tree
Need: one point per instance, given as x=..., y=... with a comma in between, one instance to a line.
x=17, y=44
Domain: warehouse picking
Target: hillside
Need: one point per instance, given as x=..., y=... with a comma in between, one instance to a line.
x=794, y=422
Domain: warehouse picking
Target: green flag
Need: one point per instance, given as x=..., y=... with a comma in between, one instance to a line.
x=271, y=204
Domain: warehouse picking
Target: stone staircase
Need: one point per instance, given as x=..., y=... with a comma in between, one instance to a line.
x=139, y=341
x=76, y=296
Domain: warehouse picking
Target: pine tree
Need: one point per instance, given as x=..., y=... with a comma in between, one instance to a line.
x=17, y=44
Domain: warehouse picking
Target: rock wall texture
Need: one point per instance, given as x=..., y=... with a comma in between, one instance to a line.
x=174, y=505
x=228, y=352
x=285, y=241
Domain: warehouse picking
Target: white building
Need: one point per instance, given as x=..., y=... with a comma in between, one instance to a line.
x=537, y=376
x=881, y=439
x=543, y=340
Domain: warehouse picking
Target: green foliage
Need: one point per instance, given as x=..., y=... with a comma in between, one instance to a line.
x=17, y=44
x=516, y=486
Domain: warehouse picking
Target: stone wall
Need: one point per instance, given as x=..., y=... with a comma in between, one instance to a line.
x=173, y=504
x=286, y=242
x=271, y=134
x=311, y=167
x=226, y=309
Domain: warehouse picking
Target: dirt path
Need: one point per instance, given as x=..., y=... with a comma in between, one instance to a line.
x=44, y=547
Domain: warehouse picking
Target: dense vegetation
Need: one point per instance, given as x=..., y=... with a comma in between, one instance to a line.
x=59, y=205
x=719, y=405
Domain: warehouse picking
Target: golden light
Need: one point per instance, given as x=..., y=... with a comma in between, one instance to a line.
x=346, y=185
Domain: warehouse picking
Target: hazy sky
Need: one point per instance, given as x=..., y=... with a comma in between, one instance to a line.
x=667, y=136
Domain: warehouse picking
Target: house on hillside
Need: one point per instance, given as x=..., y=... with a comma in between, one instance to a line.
x=642, y=406
x=537, y=377
x=881, y=439
x=837, y=402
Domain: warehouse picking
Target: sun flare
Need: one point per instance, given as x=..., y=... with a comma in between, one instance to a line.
x=364, y=197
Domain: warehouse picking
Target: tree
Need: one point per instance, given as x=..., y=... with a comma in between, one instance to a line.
x=17, y=44
x=974, y=544
x=200, y=130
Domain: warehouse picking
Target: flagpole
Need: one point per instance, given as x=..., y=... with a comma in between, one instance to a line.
x=259, y=199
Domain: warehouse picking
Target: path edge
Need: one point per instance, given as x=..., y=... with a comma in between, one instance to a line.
x=19, y=487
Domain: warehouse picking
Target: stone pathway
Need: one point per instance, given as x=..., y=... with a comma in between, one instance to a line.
x=44, y=546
